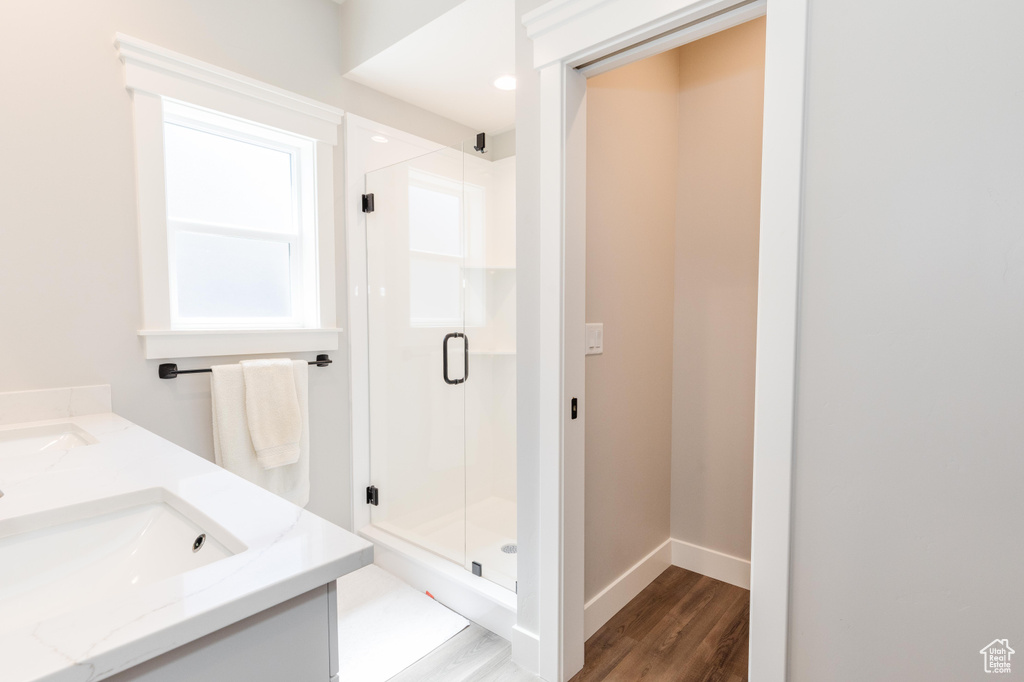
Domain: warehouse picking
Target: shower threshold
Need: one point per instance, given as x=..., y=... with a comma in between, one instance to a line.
x=482, y=601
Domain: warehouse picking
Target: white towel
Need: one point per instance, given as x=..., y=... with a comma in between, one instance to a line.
x=232, y=442
x=272, y=409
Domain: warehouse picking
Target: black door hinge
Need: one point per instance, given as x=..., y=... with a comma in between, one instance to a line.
x=575, y=409
x=372, y=495
x=368, y=203
x=478, y=569
x=481, y=143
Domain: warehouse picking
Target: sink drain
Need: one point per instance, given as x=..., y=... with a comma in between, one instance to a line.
x=510, y=548
x=198, y=543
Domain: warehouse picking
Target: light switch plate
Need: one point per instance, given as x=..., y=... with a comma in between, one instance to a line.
x=595, y=338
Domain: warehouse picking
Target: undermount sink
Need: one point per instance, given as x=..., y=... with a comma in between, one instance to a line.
x=63, y=559
x=48, y=438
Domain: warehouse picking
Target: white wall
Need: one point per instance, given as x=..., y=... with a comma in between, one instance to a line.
x=910, y=410
x=501, y=146
x=721, y=103
x=69, y=280
x=369, y=26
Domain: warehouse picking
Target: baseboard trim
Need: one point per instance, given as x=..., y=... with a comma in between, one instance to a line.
x=600, y=609
x=525, y=649
x=621, y=591
x=724, y=567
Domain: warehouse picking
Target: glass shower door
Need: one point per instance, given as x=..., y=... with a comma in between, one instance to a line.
x=441, y=300
x=419, y=354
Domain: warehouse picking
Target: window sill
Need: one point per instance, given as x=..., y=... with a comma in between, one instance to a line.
x=194, y=343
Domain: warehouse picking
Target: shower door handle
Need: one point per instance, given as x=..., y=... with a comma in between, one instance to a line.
x=465, y=357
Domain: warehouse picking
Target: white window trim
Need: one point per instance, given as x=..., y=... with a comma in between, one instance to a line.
x=153, y=75
x=302, y=155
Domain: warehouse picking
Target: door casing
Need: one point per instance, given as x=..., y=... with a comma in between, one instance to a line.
x=567, y=35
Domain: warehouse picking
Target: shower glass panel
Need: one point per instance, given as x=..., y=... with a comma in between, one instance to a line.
x=441, y=300
x=414, y=245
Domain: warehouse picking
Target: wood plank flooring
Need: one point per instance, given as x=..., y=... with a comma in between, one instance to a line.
x=684, y=627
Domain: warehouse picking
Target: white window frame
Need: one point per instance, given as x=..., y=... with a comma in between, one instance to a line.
x=302, y=242
x=161, y=82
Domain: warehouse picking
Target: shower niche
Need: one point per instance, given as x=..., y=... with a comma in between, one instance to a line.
x=441, y=289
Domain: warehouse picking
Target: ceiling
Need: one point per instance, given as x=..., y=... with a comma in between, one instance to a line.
x=449, y=66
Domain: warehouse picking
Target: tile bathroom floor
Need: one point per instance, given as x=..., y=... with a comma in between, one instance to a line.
x=473, y=655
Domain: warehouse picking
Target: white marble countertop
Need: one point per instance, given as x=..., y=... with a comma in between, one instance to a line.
x=289, y=551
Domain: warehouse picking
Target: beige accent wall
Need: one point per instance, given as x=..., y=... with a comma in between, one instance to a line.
x=721, y=101
x=673, y=196
x=632, y=158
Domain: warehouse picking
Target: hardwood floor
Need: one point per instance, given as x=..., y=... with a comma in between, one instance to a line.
x=684, y=627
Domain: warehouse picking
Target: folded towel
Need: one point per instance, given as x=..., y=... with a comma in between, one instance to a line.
x=272, y=409
x=232, y=442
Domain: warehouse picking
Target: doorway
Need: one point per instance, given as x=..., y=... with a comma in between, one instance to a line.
x=602, y=37
x=672, y=291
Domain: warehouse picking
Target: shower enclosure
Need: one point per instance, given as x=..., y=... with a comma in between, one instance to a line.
x=440, y=243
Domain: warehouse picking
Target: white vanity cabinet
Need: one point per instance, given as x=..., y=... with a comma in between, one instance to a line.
x=128, y=558
x=294, y=641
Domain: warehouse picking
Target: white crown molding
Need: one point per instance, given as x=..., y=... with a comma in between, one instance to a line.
x=555, y=13
x=578, y=31
x=153, y=69
x=140, y=52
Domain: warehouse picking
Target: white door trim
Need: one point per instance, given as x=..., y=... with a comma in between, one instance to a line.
x=570, y=33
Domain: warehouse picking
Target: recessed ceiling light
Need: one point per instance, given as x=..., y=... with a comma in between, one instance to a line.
x=505, y=83
x=379, y=138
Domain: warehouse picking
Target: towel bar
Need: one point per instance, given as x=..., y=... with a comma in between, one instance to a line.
x=169, y=370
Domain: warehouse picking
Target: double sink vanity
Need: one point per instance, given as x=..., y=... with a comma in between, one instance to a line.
x=125, y=557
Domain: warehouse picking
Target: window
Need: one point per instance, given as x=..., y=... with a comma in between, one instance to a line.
x=241, y=239
x=235, y=205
